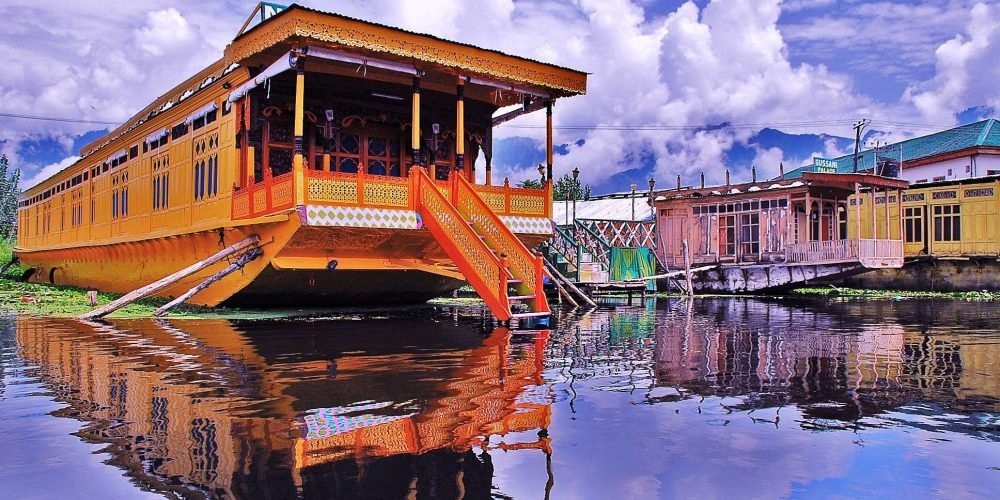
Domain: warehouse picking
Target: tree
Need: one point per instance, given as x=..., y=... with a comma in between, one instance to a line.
x=530, y=183
x=8, y=200
x=565, y=188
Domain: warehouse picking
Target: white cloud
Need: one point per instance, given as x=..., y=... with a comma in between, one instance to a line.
x=725, y=62
x=966, y=70
x=48, y=171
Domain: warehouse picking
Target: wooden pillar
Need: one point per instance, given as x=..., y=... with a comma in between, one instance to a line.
x=888, y=226
x=899, y=207
x=874, y=213
x=297, y=165
x=809, y=221
x=857, y=207
x=460, y=132
x=415, y=123
x=548, y=139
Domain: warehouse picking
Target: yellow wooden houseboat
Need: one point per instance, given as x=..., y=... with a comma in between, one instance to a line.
x=347, y=147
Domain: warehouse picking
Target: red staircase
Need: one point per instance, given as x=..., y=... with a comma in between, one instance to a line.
x=493, y=260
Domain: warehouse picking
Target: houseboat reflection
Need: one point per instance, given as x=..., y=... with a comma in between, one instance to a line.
x=210, y=409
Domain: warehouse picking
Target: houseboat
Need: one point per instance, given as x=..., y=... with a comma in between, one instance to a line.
x=761, y=235
x=348, y=148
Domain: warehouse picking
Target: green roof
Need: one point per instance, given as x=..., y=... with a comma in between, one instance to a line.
x=981, y=133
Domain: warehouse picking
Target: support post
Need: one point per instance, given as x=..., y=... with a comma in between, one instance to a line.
x=415, y=123
x=460, y=131
x=169, y=280
x=563, y=294
x=548, y=139
x=857, y=209
x=569, y=284
x=238, y=264
x=888, y=226
x=687, y=267
x=809, y=219
x=300, y=93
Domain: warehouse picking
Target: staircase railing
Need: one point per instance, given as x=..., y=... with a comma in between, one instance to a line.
x=594, y=244
x=481, y=268
x=565, y=244
x=521, y=262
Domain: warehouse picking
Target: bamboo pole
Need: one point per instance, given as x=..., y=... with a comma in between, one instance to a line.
x=169, y=280
x=671, y=274
x=240, y=263
x=569, y=284
x=562, y=291
x=687, y=267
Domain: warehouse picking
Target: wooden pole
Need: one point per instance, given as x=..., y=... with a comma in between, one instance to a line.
x=460, y=132
x=415, y=123
x=569, y=284
x=298, y=125
x=238, y=264
x=548, y=140
x=13, y=260
x=687, y=267
x=671, y=274
x=562, y=291
x=857, y=207
x=169, y=280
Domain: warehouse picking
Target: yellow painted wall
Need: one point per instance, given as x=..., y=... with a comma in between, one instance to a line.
x=979, y=216
x=48, y=224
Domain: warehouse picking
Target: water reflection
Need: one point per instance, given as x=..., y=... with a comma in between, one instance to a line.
x=209, y=409
x=717, y=396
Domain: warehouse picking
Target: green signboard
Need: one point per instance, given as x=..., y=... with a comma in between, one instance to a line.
x=824, y=165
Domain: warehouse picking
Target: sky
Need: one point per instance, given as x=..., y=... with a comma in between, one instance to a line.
x=676, y=88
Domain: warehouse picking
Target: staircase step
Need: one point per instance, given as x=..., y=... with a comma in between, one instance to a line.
x=521, y=297
x=515, y=281
x=530, y=315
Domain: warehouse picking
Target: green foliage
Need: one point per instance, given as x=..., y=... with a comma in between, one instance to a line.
x=835, y=291
x=566, y=188
x=530, y=183
x=8, y=200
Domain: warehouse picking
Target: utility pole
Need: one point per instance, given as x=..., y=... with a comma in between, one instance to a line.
x=858, y=127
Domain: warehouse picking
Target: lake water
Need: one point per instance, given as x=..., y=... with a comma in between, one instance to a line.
x=710, y=398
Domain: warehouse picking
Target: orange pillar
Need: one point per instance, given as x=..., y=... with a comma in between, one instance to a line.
x=460, y=131
x=415, y=125
x=300, y=91
x=548, y=140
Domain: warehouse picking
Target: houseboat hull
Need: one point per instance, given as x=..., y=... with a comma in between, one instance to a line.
x=301, y=265
x=759, y=278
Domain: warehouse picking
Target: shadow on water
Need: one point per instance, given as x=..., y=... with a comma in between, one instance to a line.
x=643, y=399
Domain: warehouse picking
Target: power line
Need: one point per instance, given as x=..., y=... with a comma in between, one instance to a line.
x=811, y=123
x=53, y=119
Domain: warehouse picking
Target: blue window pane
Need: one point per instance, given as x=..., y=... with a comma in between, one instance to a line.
x=376, y=146
x=349, y=165
x=349, y=143
x=376, y=167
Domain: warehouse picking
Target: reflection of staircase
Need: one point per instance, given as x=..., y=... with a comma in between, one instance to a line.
x=491, y=257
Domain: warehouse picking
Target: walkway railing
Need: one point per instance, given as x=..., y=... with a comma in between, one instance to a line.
x=273, y=194
x=869, y=252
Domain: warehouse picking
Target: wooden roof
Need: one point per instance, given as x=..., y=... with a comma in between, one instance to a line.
x=297, y=25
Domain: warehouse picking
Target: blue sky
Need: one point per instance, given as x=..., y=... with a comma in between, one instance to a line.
x=803, y=70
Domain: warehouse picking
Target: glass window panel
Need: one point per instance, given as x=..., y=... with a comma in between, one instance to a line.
x=376, y=146
x=349, y=143
x=349, y=165
x=376, y=167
